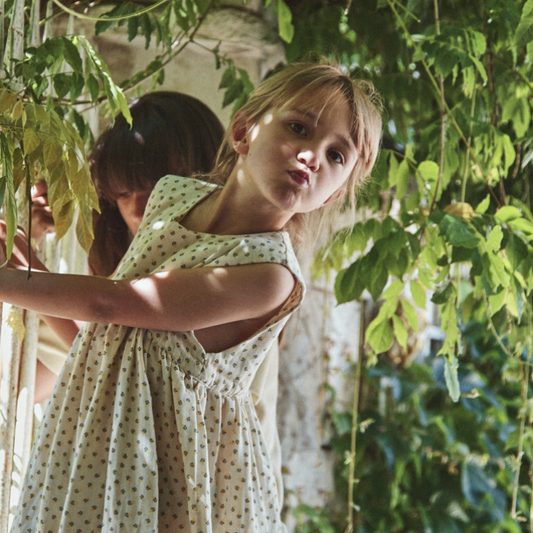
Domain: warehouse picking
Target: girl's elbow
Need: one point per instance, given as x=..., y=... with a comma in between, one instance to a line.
x=106, y=307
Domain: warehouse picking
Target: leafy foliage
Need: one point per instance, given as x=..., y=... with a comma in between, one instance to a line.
x=447, y=214
x=44, y=136
x=424, y=462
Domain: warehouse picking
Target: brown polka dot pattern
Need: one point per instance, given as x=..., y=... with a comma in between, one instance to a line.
x=145, y=431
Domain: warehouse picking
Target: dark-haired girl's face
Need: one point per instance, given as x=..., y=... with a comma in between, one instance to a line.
x=132, y=205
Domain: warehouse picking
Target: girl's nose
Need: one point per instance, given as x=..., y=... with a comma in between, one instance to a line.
x=309, y=158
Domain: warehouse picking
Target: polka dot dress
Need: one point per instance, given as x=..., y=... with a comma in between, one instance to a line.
x=146, y=431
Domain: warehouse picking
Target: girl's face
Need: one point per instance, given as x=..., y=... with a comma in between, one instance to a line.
x=300, y=158
x=131, y=205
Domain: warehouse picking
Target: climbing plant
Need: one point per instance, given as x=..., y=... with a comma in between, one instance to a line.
x=48, y=82
x=447, y=214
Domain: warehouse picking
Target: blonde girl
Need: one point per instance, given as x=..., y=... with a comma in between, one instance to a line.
x=151, y=426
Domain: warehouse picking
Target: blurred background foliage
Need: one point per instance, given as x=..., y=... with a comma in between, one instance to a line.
x=442, y=444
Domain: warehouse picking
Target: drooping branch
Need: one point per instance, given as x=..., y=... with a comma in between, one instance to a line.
x=442, y=118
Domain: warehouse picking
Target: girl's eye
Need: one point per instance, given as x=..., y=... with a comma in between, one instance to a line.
x=298, y=128
x=336, y=157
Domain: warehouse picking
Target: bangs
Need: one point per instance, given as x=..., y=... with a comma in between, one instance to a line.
x=119, y=164
x=309, y=93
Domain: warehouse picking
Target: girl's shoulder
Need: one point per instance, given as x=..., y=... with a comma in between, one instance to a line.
x=255, y=248
x=176, y=193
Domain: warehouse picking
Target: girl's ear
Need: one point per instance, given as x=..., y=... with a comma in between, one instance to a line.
x=239, y=133
x=339, y=193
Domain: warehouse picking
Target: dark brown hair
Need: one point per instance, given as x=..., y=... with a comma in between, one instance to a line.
x=172, y=133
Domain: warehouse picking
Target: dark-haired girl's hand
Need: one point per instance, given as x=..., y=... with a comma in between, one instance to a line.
x=42, y=219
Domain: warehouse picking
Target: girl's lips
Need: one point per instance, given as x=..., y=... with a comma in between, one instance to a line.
x=300, y=177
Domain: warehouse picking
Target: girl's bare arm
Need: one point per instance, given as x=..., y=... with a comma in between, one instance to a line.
x=178, y=300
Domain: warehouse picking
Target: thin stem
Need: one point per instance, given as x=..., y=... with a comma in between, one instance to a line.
x=172, y=55
x=465, y=172
x=442, y=117
x=357, y=391
x=407, y=12
x=520, y=452
x=493, y=328
x=30, y=205
x=112, y=19
x=323, y=371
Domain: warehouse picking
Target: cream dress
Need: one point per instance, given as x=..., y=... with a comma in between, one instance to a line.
x=147, y=432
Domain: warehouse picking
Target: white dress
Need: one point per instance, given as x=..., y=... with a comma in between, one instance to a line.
x=147, y=432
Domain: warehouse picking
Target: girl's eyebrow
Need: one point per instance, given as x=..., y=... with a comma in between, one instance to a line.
x=346, y=142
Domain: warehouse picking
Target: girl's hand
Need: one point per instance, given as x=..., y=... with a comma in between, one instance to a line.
x=42, y=219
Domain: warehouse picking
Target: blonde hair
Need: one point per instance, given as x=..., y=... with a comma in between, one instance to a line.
x=315, y=85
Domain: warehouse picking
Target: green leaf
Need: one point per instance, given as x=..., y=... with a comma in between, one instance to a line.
x=508, y=213
x=516, y=108
x=393, y=170
x=461, y=254
x=233, y=92
x=428, y=172
x=400, y=331
x=11, y=214
x=133, y=27
x=398, y=265
x=348, y=285
x=458, y=232
x=393, y=290
x=495, y=239
x=403, y=179
x=116, y=99
x=84, y=228
x=419, y=294
x=8, y=100
x=52, y=153
x=146, y=29
x=483, y=205
x=3, y=183
x=443, y=293
x=512, y=439
x=496, y=301
x=476, y=485
x=521, y=224
x=524, y=31
x=71, y=54
x=378, y=278
x=31, y=141
x=451, y=378
x=63, y=217
x=410, y=313
x=62, y=83
x=286, y=28
x=94, y=88
x=228, y=77
x=379, y=336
